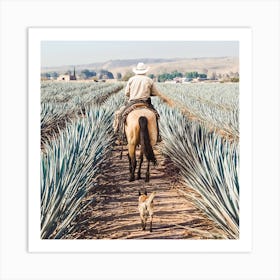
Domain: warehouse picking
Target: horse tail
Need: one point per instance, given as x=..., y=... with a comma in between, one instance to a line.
x=146, y=147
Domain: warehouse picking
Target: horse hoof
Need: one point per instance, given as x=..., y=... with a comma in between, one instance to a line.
x=139, y=177
x=131, y=179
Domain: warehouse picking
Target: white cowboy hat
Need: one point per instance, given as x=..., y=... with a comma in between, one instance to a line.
x=141, y=68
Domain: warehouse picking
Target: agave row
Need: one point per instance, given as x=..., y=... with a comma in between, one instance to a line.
x=62, y=102
x=208, y=163
x=69, y=166
x=216, y=105
x=61, y=92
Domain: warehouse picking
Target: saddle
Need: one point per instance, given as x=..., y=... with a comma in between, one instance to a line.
x=131, y=106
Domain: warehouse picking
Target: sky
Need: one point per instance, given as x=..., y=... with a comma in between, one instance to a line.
x=58, y=53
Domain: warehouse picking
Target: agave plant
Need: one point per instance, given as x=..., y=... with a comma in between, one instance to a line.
x=54, y=118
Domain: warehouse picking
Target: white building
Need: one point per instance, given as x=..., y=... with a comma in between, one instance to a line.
x=67, y=77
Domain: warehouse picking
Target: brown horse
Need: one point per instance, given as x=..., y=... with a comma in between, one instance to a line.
x=141, y=128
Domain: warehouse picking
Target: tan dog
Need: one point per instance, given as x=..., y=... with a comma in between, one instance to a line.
x=146, y=208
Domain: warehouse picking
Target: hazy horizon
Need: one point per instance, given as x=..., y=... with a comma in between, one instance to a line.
x=64, y=53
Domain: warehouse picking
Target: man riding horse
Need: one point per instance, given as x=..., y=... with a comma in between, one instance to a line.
x=139, y=90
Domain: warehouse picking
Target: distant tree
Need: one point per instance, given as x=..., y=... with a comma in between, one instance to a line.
x=203, y=76
x=54, y=75
x=119, y=76
x=163, y=77
x=152, y=76
x=105, y=74
x=45, y=75
x=169, y=76
x=49, y=75
x=176, y=74
x=86, y=74
x=191, y=75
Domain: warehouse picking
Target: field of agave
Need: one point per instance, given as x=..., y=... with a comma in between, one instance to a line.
x=200, y=135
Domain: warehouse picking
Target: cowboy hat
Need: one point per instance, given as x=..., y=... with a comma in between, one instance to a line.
x=141, y=68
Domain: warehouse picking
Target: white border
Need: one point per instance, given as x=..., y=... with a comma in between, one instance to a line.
x=243, y=35
x=262, y=262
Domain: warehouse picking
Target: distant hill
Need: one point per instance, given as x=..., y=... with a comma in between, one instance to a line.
x=221, y=65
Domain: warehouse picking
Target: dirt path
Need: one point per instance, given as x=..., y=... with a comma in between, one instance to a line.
x=114, y=213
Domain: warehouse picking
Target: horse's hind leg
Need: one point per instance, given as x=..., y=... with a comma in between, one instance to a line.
x=132, y=161
x=140, y=164
x=129, y=160
x=147, y=179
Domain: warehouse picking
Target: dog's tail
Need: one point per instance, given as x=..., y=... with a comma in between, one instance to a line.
x=150, y=198
x=145, y=140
